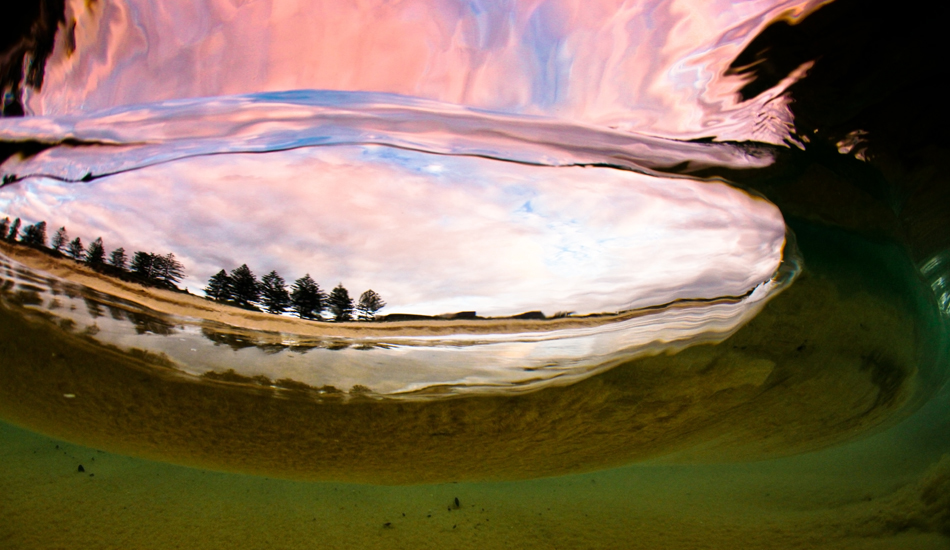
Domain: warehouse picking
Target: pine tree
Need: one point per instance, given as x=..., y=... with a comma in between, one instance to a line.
x=341, y=305
x=75, y=249
x=219, y=287
x=118, y=259
x=274, y=294
x=142, y=265
x=307, y=299
x=35, y=235
x=370, y=302
x=39, y=237
x=60, y=238
x=14, y=231
x=96, y=254
x=166, y=269
x=4, y=227
x=245, y=290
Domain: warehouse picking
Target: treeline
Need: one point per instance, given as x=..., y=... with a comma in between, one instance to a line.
x=239, y=288
x=147, y=268
x=304, y=297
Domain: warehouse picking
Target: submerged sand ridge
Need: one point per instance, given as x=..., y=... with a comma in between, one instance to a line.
x=809, y=371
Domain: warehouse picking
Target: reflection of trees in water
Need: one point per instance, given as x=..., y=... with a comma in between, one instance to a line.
x=27, y=276
x=54, y=287
x=71, y=291
x=271, y=349
x=236, y=342
x=93, y=307
x=302, y=348
x=27, y=298
x=30, y=288
x=22, y=294
x=27, y=294
x=116, y=313
x=240, y=287
x=372, y=345
x=145, y=323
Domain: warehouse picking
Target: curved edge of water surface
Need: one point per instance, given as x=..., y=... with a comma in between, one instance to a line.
x=95, y=145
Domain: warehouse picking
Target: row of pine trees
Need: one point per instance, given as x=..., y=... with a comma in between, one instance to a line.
x=305, y=298
x=240, y=287
x=148, y=268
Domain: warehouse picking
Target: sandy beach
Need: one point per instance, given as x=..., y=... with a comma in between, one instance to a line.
x=181, y=304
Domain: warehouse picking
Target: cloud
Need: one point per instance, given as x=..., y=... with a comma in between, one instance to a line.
x=430, y=240
x=657, y=67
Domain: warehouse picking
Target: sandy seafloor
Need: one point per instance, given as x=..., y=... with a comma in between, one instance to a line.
x=836, y=499
x=860, y=483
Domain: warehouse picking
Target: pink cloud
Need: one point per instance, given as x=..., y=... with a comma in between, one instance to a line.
x=431, y=233
x=653, y=66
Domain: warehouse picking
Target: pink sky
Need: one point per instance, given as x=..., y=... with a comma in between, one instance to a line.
x=431, y=233
x=654, y=66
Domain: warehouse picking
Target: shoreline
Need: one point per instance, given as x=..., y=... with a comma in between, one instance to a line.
x=187, y=305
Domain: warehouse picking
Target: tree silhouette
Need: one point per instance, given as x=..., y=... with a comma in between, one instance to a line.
x=118, y=259
x=274, y=294
x=245, y=290
x=166, y=269
x=156, y=269
x=60, y=238
x=142, y=265
x=370, y=302
x=96, y=254
x=239, y=287
x=341, y=305
x=75, y=249
x=307, y=299
x=219, y=287
x=35, y=235
x=14, y=231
